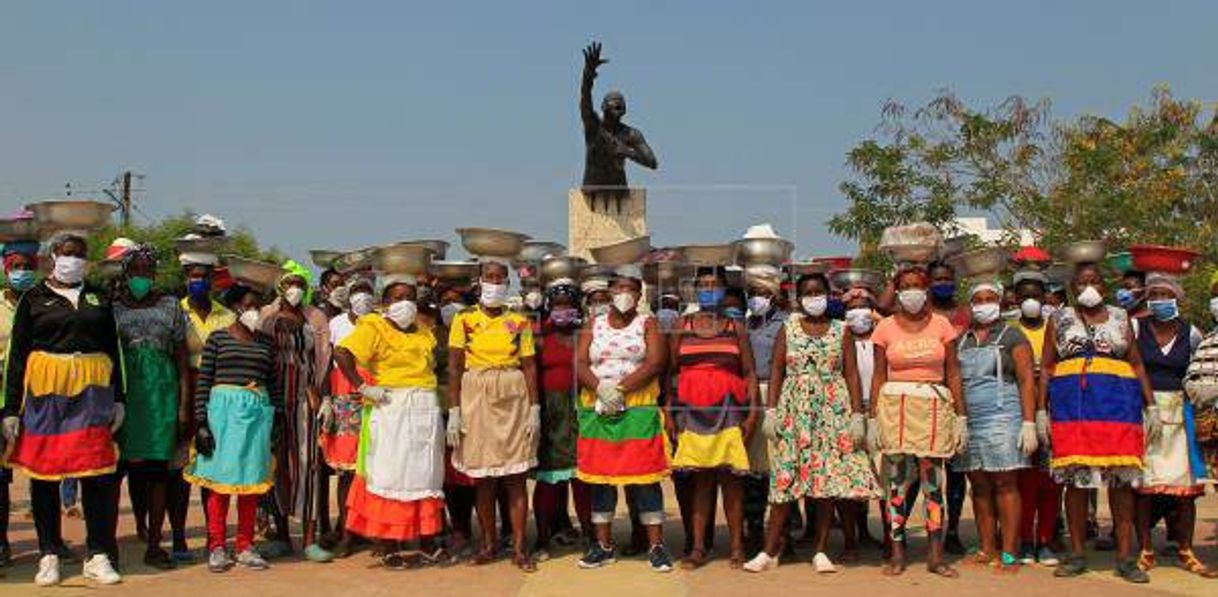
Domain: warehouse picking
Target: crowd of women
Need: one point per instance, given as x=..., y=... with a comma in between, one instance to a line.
x=430, y=400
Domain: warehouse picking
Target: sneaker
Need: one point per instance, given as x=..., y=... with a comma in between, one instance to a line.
x=761, y=562
x=597, y=556
x=1047, y=557
x=1027, y=554
x=48, y=571
x=1129, y=571
x=317, y=553
x=99, y=570
x=1071, y=566
x=218, y=560
x=659, y=559
x=250, y=559
x=823, y=564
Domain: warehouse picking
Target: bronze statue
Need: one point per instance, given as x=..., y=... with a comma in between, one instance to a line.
x=608, y=142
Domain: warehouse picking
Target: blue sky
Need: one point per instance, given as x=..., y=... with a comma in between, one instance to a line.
x=342, y=124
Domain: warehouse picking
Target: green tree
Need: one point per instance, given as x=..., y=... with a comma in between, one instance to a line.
x=162, y=234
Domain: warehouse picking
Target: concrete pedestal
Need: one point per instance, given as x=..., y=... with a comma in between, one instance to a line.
x=603, y=218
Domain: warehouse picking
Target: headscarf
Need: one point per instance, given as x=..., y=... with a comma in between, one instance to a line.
x=385, y=281
x=145, y=251
x=292, y=268
x=918, y=269
x=1165, y=281
x=990, y=285
x=1032, y=275
x=207, y=259
x=593, y=285
x=22, y=248
x=763, y=276
x=630, y=271
x=568, y=290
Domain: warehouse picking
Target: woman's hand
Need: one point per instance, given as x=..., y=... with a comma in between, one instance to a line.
x=1028, y=441
x=769, y=425
x=749, y=426
x=205, y=444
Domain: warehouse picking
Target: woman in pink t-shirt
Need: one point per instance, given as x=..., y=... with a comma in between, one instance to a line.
x=917, y=414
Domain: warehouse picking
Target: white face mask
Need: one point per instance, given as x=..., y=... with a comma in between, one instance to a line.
x=362, y=303
x=912, y=300
x=340, y=297
x=986, y=313
x=814, y=305
x=493, y=295
x=402, y=313
x=532, y=300
x=449, y=311
x=859, y=320
x=598, y=310
x=1090, y=297
x=293, y=295
x=759, y=305
x=1031, y=308
x=624, y=302
x=69, y=270
x=249, y=319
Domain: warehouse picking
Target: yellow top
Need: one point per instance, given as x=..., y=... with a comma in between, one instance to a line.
x=1036, y=337
x=200, y=329
x=395, y=358
x=491, y=342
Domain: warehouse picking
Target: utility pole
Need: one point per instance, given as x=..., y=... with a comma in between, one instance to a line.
x=123, y=197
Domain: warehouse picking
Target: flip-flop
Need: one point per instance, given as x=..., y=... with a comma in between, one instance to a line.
x=524, y=563
x=942, y=569
x=1189, y=562
x=695, y=559
x=893, y=569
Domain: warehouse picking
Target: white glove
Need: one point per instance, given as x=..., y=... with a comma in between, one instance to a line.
x=1027, y=438
x=1153, y=423
x=1042, y=428
x=453, y=431
x=601, y=408
x=11, y=426
x=873, y=436
x=961, y=434
x=325, y=414
x=858, y=430
x=769, y=425
x=120, y=413
x=608, y=393
x=374, y=394
x=532, y=428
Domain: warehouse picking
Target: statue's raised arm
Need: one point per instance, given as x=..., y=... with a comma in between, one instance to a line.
x=608, y=142
x=592, y=60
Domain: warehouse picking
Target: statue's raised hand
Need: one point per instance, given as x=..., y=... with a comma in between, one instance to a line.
x=592, y=57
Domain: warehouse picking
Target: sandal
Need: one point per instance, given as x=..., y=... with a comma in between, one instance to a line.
x=483, y=558
x=943, y=570
x=395, y=561
x=1147, y=560
x=439, y=558
x=737, y=560
x=893, y=568
x=695, y=559
x=1189, y=562
x=981, y=559
x=524, y=563
x=1007, y=564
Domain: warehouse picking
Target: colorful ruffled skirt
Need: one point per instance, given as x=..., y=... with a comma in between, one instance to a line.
x=628, y=448
x=710, y=408
x=1095, y=409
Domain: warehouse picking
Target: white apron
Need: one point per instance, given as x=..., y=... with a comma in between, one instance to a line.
x=404, y=460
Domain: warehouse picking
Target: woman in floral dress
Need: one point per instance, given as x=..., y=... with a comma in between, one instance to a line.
x=815, y=424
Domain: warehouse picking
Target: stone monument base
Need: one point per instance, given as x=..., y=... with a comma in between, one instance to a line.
x=595, y=219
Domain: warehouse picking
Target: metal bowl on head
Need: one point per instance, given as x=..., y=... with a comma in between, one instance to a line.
x=763, y=251
x=492, y=242
x=324, y=258
x=535, y=251
x=53, y=216
x=259, y=274
x=454, y=270
x=795, y=270
x=18, y=229
x=401, y=259
x=559, y=267
x=439, y=248
x=354, y=260
x=203, y=244
x=979, y=262
x=955, y=245
x=1084, y=251
x=909, y=253
x=595, y=270
x=845, y=279
x=622, y=253
x=667, y=273
x=712, y=255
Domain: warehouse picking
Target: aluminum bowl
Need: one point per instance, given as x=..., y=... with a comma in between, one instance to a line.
x=793, y=271
x=254, y=273
x=1059, y=273
x=204, y=244
x=622, y=253
x=535, y=251
x=955, y=245
x=53, y=216
x=324, y=258
x=557, y=268
x=713, y=255
x=439, y=248
x=454, y=270
x=593, y=271
x=401, y=259
x=1083, y=251
x=845, y=279
x=918, y=233
x=492, y=242
x=667, y=273
x=354, y=260
x=763, y=251
x=18, y=229
x=979, y=262
x=910, y=253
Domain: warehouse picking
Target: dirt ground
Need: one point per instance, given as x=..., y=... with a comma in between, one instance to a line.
x=360, y=575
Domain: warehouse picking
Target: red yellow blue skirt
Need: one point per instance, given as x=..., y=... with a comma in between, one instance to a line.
x=66, y=417
x=1095, y=406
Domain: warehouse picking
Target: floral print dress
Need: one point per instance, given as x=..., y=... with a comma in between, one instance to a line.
x=814, y=456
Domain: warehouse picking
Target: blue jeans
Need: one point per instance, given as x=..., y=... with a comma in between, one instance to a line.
x=649, y=499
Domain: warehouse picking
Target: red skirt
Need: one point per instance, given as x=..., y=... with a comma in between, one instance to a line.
x=374, y=517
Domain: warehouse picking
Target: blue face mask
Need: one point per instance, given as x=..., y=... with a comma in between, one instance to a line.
x=942, y=292
x=1164, y=310
x=21, y=280
x=198, y=289
x=1127, y=299
x=710, y=299
x=835, y=309
x=733, y=313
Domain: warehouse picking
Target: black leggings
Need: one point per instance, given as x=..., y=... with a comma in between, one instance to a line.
x=96, y=496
